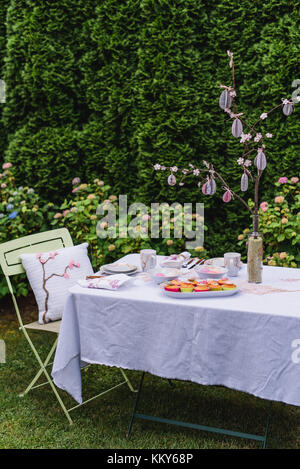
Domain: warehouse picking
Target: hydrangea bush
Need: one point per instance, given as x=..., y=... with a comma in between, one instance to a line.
x=22, y=212
x=78, y=214
x=280, y=224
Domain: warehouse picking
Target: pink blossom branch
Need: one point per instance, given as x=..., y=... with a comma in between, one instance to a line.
x=256, y=145
x=232, y=192
x=45, y=279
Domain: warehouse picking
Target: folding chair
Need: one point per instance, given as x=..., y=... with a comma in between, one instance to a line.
x=11, y=265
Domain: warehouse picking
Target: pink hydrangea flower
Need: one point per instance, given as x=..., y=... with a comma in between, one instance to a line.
x=76, y=180
x=58, y=215
x=294, y=180
x=283, y=180
x=6, y=165
x=283, y=255
x=264, y=206
x=279, y=199
x=3, y=185
x=65, y=212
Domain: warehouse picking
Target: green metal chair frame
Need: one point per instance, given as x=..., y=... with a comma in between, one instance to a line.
x=11, y=265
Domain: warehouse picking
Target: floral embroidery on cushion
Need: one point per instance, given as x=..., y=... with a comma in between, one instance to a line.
x=65, y=275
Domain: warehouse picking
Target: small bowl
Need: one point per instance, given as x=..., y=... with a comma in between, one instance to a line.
x=207, y=271
x=163, y=274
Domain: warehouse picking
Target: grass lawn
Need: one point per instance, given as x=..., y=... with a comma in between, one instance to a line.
x=36, y=421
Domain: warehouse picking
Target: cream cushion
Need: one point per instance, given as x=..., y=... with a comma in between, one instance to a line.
x=51, y=274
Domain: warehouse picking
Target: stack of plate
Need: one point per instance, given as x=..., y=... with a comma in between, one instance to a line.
x=119, y=268
x=218, y=262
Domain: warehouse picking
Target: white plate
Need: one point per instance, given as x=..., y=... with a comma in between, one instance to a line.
x=219, y=271
x=202, y=294
x=104, y=272
x=218, y=262
x=168, y=274
x=119, y=268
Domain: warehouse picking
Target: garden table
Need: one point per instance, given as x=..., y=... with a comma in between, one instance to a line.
x=249, y=341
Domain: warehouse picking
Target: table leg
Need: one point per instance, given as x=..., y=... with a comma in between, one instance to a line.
x=171, y=383
x=267, y=425
x=135, y=404
x=222, y=431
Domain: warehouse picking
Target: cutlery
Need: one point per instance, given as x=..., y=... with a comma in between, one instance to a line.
x=188, y=262
x=94, y=276
x=199, y=261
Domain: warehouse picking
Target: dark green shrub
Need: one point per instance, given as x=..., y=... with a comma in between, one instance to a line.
x=110, y=87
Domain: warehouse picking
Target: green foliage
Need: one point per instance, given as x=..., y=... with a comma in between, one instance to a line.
x=110, y=87
x=81, y=215
x=3, y=11
x=22, y=212
x=280, y=225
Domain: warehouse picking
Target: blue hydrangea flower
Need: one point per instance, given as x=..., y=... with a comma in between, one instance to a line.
x=12, y=215
x=9, y=207
x=20, y=188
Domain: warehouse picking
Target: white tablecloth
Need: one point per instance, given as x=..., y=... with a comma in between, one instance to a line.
x=249, y=341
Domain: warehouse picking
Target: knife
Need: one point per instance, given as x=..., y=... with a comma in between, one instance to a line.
x=94, y=276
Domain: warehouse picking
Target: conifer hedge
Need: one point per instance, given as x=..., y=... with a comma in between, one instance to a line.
x=3, y=10
x=110, y=87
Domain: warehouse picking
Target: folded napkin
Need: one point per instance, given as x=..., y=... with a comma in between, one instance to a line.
x=176, y=260
x=113, y=282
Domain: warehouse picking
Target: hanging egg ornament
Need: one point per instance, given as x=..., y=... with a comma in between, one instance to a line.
x=208, y=187
x=244, y=182
x=204, y=189
x=260, y=161
x=213, y=186
x=227, y=196
x=237, y=128
x=287, y=109
x=225, y=100
x=171, y=180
